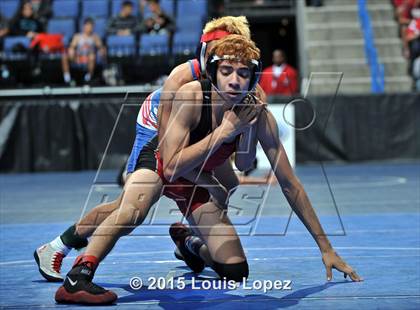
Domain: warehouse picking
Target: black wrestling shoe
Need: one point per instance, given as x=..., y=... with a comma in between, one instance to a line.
x=78, y=288
x=178, y=254
x=179, y=232
x=252, y=168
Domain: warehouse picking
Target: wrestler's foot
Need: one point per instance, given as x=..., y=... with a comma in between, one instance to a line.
x=49, y=261
x=179, y=233
x=78, y=288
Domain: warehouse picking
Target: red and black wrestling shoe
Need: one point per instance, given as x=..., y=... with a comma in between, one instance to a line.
x=78, y=287
x=179, y=234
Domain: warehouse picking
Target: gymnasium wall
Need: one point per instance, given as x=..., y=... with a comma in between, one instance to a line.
x=72, y=133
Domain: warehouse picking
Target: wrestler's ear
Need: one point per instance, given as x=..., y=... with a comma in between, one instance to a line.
x=256, y=69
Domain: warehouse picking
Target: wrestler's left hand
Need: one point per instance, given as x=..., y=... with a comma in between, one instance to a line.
x=250, y=105
x=332, y=260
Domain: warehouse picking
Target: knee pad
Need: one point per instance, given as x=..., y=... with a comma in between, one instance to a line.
x=234, y=272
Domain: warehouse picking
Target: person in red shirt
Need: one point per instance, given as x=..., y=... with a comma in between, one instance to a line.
x=413, y=42
x=413, y=29
x=404, y=13
x=280, y=78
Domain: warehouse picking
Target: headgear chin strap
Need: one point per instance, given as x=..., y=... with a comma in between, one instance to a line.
x=205, y=39
x=255, y=67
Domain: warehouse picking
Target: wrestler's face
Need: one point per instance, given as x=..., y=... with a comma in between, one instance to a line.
x=233, y=80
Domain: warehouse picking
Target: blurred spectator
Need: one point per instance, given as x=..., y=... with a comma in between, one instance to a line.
x=82, y=52
x=413, y=42
x=24, y=23
x=215, y=8
x=125, y=23
x=280, y=78
x=413, y=34
x=404, y=14
x=159, y=22
x=42, y=10
x=404, y=10
x=4, y=30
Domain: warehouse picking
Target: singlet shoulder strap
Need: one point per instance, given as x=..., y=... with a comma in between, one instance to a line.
x=195, y=69
x=206, y=109
x=205, y=125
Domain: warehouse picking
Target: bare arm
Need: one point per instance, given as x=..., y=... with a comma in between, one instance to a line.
x=99, y=45
x=179, y=157
x=72, y=47
x=290, y=185
x=246, y=148
x=296, y=195
x=179, y=76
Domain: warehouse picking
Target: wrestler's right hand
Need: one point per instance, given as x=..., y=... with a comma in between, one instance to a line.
x=235, y=121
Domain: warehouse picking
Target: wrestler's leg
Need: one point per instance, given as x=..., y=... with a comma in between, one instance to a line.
x=227, y=176
x=141, y=191
x=49, y=256
x=223, y=249
x=87, y=225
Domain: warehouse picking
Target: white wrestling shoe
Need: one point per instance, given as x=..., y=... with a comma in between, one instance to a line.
x=49, y=262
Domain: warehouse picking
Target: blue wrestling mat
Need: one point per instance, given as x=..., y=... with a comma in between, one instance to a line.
x=370, y=211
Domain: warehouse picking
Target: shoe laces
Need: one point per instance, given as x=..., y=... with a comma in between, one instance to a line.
x=57, y=261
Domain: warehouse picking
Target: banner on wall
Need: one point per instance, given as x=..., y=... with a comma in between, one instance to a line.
x=285, y=117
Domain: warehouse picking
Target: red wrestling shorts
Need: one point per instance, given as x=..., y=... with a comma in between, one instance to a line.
x=187, y=195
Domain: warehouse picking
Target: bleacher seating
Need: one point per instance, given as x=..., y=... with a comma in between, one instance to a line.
x=121, y=46
x=8, y=8
x=168, y=6
x=159, y=51
x=192, y=8
x=154, y=44
x=187, y=23
x=66, y=27
x=185, y=43
x=11, y=49
x=65, y=8
x=94, y=8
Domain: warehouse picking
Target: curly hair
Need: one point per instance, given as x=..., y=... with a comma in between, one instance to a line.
x=240, y=47
x=231, y=24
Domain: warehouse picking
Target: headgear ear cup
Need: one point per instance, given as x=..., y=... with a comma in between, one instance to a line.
x=202, y=56
x=211, y=69
x=256, y=75
x=202, y=48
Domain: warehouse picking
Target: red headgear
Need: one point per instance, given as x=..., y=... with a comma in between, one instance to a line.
x=205, y=38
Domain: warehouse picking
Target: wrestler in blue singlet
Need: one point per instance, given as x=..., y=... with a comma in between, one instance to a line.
x=147, y=121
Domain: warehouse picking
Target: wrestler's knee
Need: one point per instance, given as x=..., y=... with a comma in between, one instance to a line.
x=234, y=272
